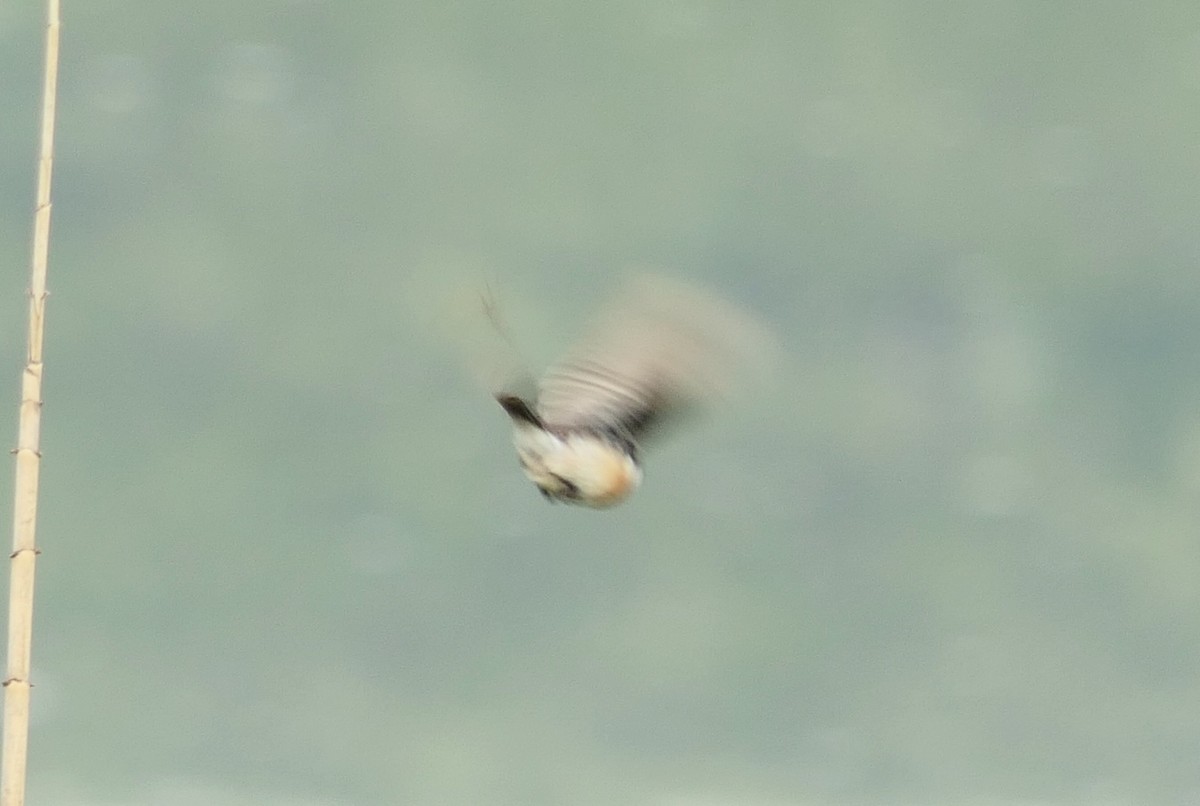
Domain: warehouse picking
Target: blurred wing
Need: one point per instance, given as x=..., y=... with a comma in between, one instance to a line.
x=487, y=348
x=662, y=347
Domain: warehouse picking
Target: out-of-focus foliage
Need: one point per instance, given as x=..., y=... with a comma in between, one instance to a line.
x=951, y=554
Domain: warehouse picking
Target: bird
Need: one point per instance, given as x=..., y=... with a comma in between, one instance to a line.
x=660, y=349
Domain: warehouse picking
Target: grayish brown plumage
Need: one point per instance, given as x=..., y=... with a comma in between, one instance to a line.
x=660, y=348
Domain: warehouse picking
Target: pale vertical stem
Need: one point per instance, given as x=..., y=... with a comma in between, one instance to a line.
x=28, y=455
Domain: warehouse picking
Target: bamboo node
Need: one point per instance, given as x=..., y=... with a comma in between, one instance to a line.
x=13, y=556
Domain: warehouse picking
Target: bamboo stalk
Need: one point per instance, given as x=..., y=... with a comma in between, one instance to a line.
x=28, y=454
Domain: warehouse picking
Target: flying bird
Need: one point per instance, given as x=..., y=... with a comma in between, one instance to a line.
x=660, y=349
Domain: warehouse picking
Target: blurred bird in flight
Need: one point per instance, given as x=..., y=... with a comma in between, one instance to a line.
x=661, y=348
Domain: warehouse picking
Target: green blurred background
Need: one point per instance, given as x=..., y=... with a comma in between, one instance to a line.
x=951, y=555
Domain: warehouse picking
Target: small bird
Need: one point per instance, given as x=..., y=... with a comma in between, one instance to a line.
x=660, y=349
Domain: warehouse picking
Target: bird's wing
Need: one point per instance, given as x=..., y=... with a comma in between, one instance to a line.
x=660, y=348
x=484, y=343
